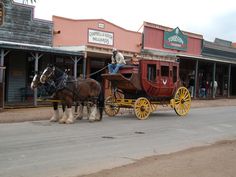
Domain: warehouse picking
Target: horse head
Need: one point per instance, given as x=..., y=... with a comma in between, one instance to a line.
x=47, y=74
x=36, y=81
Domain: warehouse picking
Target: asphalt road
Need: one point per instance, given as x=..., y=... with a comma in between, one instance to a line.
x=44, y=149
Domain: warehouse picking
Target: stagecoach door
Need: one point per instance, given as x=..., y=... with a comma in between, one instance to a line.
x=165, y=78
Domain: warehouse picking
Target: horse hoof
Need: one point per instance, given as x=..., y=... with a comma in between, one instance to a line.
x=91, y=121
x=53, y=120
x=62, y=121
x=69, y=122
x=79, y=118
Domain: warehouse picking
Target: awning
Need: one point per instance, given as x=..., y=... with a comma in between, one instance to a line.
x=38, y=48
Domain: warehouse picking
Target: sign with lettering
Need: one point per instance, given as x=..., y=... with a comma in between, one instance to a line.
x=175, y=40
x=100, y=37
x=1, y=13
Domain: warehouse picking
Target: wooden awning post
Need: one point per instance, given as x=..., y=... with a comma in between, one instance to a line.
x=76, y=60
x=84, y=65
x=2, y=56
x=213, y=80
x=36, y=57
x=229, y=78
x=195, y=80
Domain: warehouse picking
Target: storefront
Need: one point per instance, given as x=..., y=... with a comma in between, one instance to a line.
x=164, y=41
x=96, y=38
x=201, y=63
x=25, y=51
x=222, y=62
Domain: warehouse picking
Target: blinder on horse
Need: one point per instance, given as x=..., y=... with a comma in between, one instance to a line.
x=47, y=73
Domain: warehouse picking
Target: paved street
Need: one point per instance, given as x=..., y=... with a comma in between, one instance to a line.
x=44, y=149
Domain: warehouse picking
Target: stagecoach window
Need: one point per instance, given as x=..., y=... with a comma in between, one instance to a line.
x=165, y=71
x=1, y=13
x=174, y=73
x=151, y=72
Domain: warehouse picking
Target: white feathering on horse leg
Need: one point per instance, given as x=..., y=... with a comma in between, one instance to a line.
x=79, y=112
x=97, y=114
x=92, y=116
x=70, y=119
x=64, y=117
x=55, y=116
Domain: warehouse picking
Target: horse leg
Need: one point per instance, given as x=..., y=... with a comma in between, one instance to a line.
x=70, y=116
x=93, y=114
x=88, y=105
x=100, y=103
x=55, y=116
x=64, y=116
x=79, y=113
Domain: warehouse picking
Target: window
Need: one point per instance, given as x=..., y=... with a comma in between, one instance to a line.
x=165, y=71
x=1, y=13
x=151, y=72
x=174, y=74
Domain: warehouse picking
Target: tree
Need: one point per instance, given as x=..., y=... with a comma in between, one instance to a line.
x=27, y=1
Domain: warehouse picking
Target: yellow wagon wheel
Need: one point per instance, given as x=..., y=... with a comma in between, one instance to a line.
x=142, y=108
x=111, y=107
x=181, y=101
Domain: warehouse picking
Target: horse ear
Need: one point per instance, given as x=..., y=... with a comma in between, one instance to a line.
x=50, y=65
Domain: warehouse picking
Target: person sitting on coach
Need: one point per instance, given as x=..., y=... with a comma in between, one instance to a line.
x=117, y=61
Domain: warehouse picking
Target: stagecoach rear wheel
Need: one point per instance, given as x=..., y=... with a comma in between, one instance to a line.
x=142, y=108
x=182, y=101
x=111, y=107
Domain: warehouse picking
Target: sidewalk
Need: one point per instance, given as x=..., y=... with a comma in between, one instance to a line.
x=44, y=113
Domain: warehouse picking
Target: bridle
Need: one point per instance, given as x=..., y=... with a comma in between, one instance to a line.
x=43, y=77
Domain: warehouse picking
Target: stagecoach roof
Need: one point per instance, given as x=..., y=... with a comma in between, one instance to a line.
x=38, y=48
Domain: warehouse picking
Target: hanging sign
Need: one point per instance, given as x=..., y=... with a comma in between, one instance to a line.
x=175, y=40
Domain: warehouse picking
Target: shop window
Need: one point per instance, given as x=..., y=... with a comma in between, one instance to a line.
x=151, y=72
x=165, y=71
x=1, y=13
x=174, y=74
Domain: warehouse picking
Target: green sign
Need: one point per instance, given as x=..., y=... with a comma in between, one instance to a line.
x=175, y=40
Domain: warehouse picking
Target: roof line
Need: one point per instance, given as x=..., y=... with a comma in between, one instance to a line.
x=101, y=19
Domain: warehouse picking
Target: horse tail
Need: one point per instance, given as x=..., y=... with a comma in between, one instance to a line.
x=101, y=103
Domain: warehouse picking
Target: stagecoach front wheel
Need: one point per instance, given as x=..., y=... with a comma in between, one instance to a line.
x=111, y=107
x=181, y=101
x=142, y=108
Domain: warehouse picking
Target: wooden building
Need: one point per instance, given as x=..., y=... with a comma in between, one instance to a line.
x=25, y=48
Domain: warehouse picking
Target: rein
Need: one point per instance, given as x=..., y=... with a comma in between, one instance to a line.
x=91, y=74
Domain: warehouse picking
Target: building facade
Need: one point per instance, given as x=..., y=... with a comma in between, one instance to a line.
x=25, y=48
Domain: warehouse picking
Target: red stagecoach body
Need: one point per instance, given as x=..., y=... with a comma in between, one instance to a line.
x=146, y=85
x=151, y=78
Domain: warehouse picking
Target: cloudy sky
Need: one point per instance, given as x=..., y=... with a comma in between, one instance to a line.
x=211, y=18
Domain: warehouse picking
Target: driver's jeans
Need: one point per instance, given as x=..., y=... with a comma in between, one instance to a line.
x=114, y=68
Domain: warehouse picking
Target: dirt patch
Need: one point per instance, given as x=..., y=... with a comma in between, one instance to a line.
x=217, y=160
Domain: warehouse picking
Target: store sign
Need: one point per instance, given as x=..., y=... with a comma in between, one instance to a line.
x=1, y=13
x=100, y=37
x=175, y=40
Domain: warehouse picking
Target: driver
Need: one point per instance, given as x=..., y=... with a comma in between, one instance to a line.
x=117, y=61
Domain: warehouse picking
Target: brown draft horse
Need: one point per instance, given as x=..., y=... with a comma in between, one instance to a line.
x=83, y=91
x=47, y=87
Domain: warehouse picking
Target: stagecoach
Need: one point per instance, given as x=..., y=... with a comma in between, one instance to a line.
x=146, y=85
